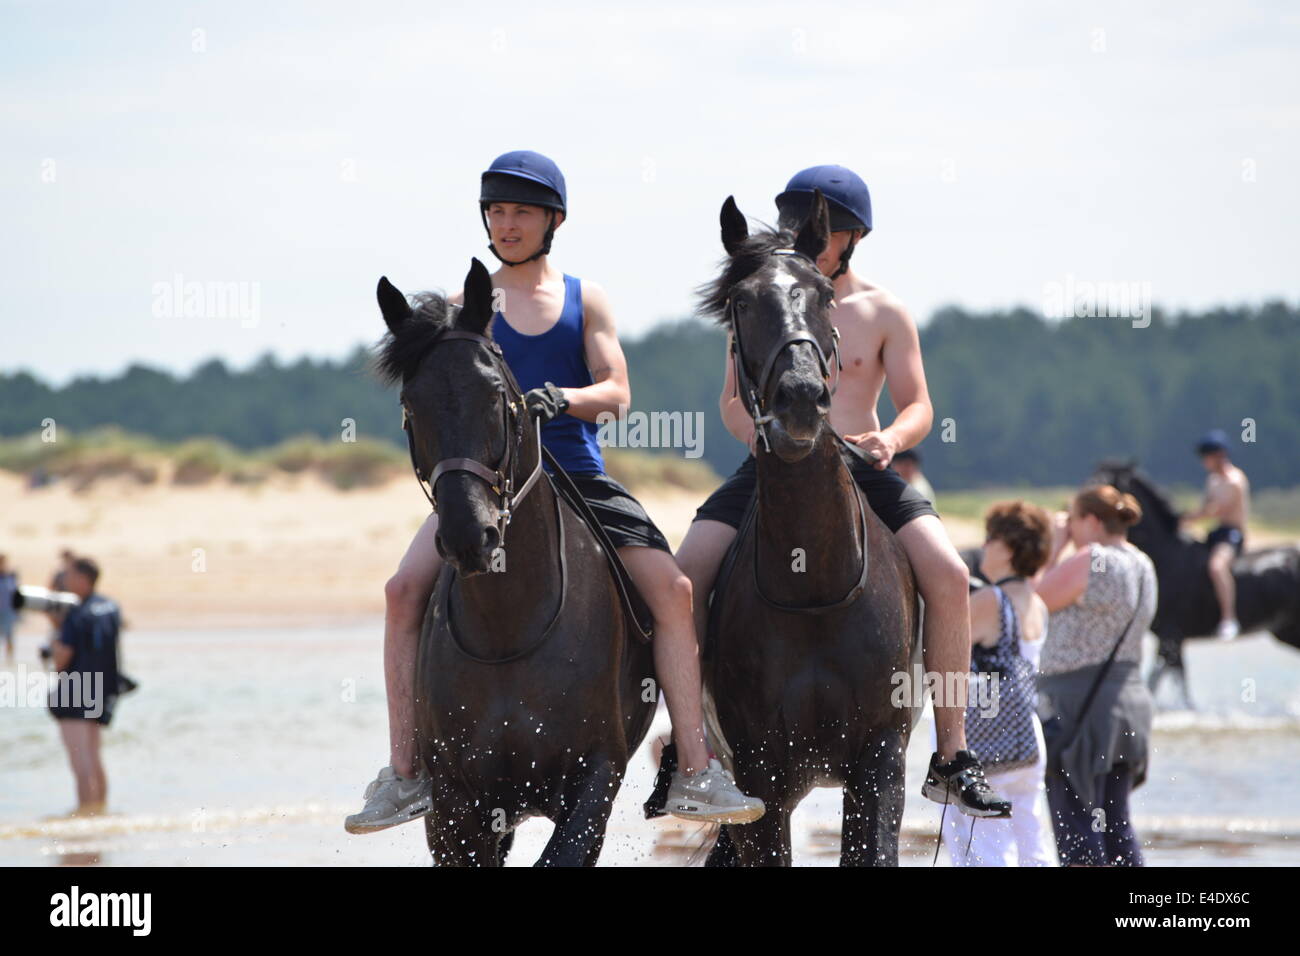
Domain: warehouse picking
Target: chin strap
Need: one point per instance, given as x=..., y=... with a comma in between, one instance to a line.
x=845, y=256
x=546, y=240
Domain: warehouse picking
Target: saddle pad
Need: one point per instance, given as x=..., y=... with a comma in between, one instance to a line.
x=637, y=611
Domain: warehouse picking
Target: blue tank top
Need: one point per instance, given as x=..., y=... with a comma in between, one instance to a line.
x=558, y=355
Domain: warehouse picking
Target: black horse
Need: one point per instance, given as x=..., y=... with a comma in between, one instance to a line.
x=1268, y=580
x=529, y=688
x=819, y=609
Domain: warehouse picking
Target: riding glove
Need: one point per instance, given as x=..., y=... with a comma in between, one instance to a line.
x=546, y=402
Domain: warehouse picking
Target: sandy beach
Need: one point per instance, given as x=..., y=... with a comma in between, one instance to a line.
x=293, y=551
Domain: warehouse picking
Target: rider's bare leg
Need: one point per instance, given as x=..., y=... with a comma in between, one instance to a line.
x=405, y=597
x=944, y=582
x=1225, y=588
x=676, y=652
x=700, y=556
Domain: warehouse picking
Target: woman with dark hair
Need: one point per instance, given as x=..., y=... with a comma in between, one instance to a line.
x=1008, y=622
x=1095, y=707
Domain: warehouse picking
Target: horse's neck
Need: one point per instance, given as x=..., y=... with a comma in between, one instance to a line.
x=808, y=539
x=506, y=607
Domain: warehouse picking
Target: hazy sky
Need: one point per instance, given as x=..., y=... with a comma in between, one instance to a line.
x=304, y=149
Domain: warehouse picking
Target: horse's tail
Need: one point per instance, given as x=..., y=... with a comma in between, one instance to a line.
x=716, y=849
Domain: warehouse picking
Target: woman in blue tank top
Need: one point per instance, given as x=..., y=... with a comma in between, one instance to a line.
x=559, y=341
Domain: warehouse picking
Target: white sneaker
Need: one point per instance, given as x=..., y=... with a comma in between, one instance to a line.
x=711, y=795
x=391, y=800
x=1228, y=629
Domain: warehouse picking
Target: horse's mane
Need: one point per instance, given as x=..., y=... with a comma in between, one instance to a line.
x=398, y=354
x=1164, y=508
x=747, y=260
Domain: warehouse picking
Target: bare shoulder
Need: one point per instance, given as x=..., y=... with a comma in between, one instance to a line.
x=457, y=297
x=596, y=307
x=875, y=304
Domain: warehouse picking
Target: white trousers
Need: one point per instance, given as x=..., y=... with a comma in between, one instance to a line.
x=1024, y=840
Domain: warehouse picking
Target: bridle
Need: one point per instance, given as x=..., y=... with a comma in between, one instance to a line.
x=753, y=394
x=501, y=478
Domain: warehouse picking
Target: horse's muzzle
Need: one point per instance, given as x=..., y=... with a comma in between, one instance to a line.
x=473, y=557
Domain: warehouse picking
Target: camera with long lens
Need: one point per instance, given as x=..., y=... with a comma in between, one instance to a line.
x=28, y=598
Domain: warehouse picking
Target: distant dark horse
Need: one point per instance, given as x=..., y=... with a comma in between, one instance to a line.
x=1268, y=581
x=529, y=691
x=801, y=666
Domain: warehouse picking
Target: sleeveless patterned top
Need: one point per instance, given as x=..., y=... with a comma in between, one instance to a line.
x=1083, y=634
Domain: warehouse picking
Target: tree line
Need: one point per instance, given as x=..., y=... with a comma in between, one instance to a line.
x=1018, y=399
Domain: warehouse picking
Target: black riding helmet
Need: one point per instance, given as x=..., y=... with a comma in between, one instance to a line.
x=525, y=177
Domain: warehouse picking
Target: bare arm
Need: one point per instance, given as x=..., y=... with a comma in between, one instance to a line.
x=734, y=416
x=985, y=626
x=905, y=377
x=1066, y=583
x=610, y=391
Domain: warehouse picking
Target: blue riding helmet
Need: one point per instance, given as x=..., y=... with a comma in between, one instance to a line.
x=1214, y=440
x=847, y=201
x=523, y=176
x=847, y=197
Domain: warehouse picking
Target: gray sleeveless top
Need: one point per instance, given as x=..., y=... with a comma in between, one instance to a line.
x=1083, y=634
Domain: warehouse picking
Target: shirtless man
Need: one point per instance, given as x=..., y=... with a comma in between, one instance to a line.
x=878, y=341
x=561, y=344
x=1227, y=498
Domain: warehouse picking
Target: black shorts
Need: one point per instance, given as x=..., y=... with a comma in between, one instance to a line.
x=1226, y=534
x=621, y=515
x=101, y=715
x=894, y=501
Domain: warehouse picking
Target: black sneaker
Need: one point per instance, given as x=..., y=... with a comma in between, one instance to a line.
x=961, y=782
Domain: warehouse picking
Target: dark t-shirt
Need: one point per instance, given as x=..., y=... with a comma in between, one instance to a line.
x=91, y=630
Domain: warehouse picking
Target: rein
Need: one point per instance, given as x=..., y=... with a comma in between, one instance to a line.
x=853, y=592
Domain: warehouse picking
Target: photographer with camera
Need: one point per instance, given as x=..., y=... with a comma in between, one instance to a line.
x=85, y=657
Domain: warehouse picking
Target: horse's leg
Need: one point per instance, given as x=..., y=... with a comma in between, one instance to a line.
x=873, y=806
x=503, y=847
x=1180, y=673
x=1182, y=684
x=457, y=837
x=766, y=841
x=580, y=829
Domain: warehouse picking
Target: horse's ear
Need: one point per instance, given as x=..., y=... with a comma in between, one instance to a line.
x=392, y=304
x=816, y=230
x=476, y=313
x=735, y=229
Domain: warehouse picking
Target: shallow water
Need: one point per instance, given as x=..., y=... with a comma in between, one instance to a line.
x=248, y=747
